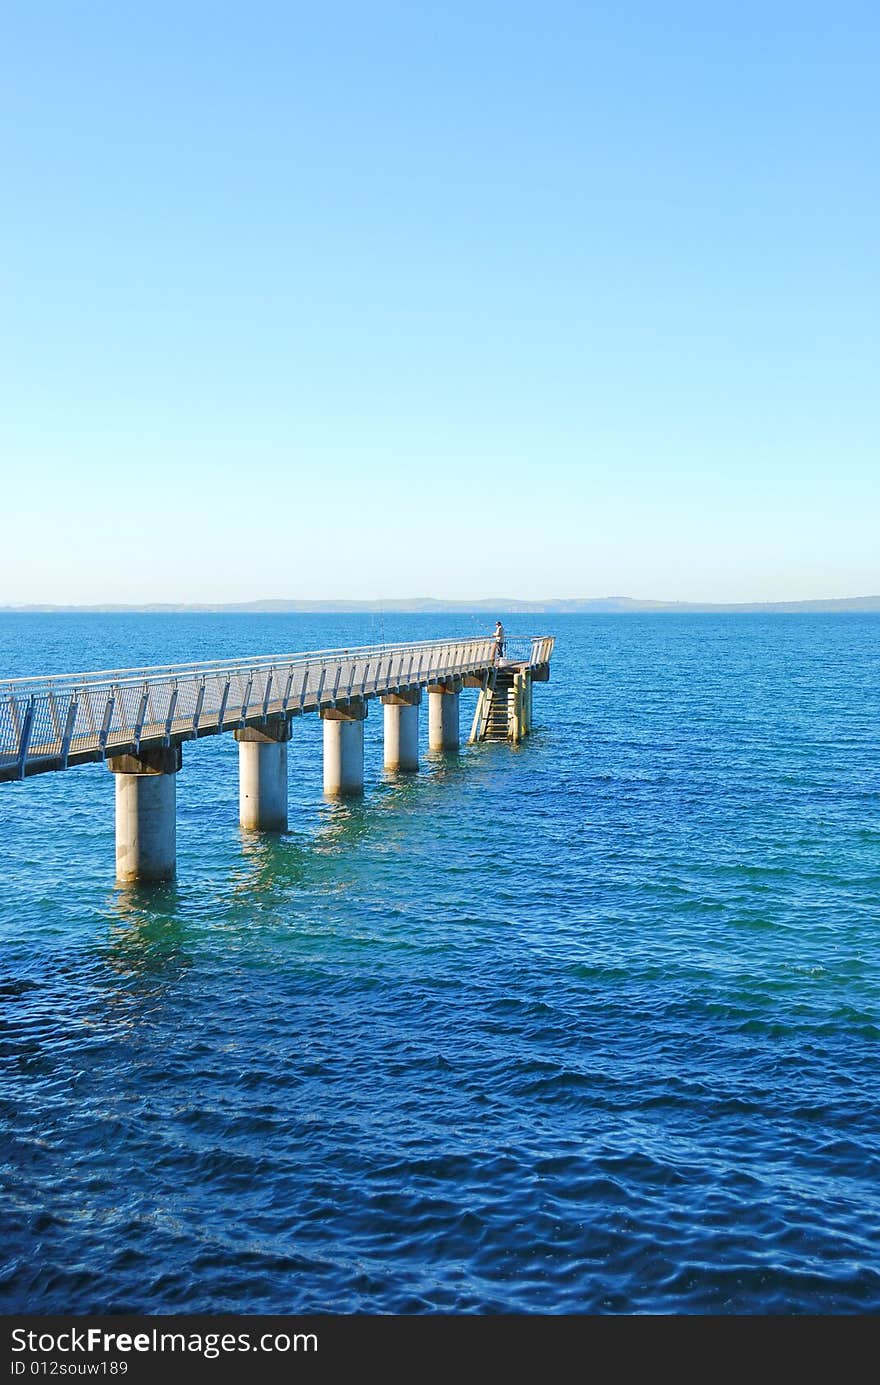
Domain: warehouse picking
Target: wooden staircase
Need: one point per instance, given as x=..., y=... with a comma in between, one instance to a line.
x=493, y=721
x=498, y=714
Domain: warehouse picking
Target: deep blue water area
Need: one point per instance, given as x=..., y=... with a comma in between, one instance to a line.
x=587, y=1026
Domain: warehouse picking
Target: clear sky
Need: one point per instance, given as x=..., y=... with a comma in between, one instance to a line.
x=439, y=299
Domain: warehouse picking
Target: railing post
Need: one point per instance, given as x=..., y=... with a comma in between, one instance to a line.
x=169, y=720
x=286, y=698
x=108, y=717
x=246, y=702
x=198, y=711
x=24, y=740
x=141, y=718
x=267, y=696
x=221, y=716
x=67, y=734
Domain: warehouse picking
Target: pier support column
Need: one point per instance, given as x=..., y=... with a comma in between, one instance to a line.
x=344, y=748
x=262, y=776
x=146, y=821
x=402, y=730
x=520, y=705
x=443, y=701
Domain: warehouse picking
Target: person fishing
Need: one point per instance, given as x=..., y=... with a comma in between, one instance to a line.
x=499, y=641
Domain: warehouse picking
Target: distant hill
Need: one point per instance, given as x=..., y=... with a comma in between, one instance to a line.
x=615, y=605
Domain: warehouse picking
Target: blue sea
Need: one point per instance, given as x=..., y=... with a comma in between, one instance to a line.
x=590, y=1025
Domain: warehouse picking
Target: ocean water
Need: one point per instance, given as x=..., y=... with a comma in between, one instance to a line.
x=587, y=1026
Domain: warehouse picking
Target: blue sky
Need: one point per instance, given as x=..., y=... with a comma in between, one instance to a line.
x=463, y=300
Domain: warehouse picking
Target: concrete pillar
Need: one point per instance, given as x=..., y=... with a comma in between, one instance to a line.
x=344, y=748
x=443, y=716
x=146, y=822
x=262, y=776
x=402, y=730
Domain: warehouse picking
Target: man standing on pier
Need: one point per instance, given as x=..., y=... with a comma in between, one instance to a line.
x=499, y=641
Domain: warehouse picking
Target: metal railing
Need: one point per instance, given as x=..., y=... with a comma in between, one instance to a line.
x=527, y=649
x=53, y=722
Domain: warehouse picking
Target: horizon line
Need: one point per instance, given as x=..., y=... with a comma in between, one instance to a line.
x=442, y=605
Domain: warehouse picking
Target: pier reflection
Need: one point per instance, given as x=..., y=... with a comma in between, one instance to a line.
x=146, y=937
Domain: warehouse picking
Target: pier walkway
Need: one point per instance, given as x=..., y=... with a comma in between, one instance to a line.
x=138, y=719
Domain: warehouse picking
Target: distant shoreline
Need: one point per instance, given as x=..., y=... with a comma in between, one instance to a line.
x=500, y=605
